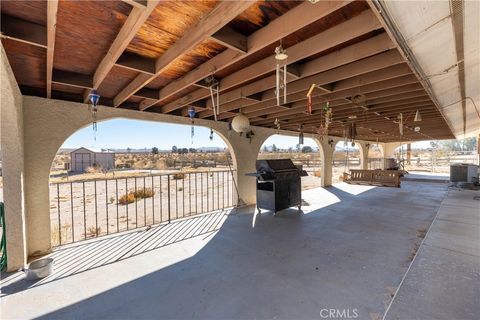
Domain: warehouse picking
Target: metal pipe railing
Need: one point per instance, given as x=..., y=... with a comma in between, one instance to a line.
x=98, y=207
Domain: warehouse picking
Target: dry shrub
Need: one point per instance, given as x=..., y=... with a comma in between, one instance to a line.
x=94, y=232
x=144, y=193
x=127, y=198
x=317, y=173
x=161, y=164
x=93, y=170
x=179, y=176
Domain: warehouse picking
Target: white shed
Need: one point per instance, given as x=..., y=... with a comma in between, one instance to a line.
x=82, y=158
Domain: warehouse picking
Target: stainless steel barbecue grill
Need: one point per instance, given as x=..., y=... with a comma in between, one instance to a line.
x=279, y=184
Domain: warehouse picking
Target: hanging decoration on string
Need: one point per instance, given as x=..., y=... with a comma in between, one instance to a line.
x=211, y=135
x=281, y=74
x=352, y=133
x=191, y=114
x=230, y=129
x=94, y=98
x=277, y=124
x=400, y=124
x=300, y=135
x=418, y=117
x=309, y=98
x=328, y=115
x=214, y=87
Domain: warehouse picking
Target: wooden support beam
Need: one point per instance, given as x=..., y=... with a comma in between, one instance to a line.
x=288, y=23
x=134, y=22
x=216, y=19
x=72, y=79
x=23, y=31
x=52, y=8
x=140, y=4
x=135, y=62
x=231, y=39
x=335, y=59
x=350, y=29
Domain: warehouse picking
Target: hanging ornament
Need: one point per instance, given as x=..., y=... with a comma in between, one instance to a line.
x=277, y=124
x=418, y=117
x=309, y=98
x=191, y=114
x=240, y=123
x=229, y=134
x=281, y=73
x=300, y=136
x=328, y=115
x=214, y=87
x=211, y=134
x=400, y=123
x=94, y=98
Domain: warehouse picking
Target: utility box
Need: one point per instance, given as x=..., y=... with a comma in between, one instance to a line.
x=464, y=172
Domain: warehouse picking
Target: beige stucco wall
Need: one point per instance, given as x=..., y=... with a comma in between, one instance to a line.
x=11, y=142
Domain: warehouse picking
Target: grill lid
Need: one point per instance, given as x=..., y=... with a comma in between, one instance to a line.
x=275, y=166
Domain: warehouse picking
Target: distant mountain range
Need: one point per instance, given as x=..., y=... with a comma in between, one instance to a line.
x=142, y=150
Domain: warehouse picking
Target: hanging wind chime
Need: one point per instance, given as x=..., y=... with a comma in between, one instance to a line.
x=281, y=74
x=191, y=114
x=94, y=98
x=211, y=134
x=214, y=87
x=328, y=114
x=300, y=135
x=400, y=124
x=309, y=98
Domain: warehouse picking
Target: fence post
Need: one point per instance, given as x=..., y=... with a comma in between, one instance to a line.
x=168, y=196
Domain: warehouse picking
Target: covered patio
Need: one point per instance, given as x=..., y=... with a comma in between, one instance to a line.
x=358, y=72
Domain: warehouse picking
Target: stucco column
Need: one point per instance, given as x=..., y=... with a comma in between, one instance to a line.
x=246, y=153
x=364, y=146
x=12, y=151
x=327, y=150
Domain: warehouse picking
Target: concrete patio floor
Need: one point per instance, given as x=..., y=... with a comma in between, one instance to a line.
x=349, y=250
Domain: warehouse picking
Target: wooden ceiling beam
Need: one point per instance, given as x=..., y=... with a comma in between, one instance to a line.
x=290, y=22
x=350, y=29
x=381, y=83
x=140, y=4
x=231, y=39
x=23, y=31
x=135, y=62
x=338, y=58
x=52, y=8
x=210, y=23
x=134, y=22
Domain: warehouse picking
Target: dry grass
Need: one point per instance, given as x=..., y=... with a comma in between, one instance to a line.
x=179, y=176
x=127, y=198
x=65, y=232
x=414, y=251
x=93, y=232
x=133, y=196
x=317, y=173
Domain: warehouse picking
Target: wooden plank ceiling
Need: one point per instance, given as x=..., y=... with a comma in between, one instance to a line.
x=154, y=56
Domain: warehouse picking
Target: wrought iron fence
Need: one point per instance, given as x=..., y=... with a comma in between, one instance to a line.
x=89, y=209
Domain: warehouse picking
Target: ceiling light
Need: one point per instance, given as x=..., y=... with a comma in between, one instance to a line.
x=240, y=123
x=280, y=53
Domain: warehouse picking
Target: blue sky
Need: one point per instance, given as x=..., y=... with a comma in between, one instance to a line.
x=121, y=133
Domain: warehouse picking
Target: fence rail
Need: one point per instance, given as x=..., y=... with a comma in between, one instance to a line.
x=89, y=209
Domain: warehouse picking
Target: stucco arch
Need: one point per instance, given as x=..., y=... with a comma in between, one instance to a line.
x=48, y=123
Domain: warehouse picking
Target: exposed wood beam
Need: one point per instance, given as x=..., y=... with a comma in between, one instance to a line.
x=52, y=8
x=291, y=21
x=140, y=4
x=23, y=31
x=213, y=21
x=335, y=59
x=350, y=29
x=72, y=79
x=136, y=63
x=134, y=22
x=231, y=39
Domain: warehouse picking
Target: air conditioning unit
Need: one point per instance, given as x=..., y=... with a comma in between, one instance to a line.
x=464, y=172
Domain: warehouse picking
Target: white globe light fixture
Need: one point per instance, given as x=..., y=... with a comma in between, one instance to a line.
x=240, y=123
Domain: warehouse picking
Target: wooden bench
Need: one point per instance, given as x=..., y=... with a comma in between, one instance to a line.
x=387, y=178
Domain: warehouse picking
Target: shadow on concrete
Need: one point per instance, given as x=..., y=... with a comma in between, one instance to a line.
x=347, y=255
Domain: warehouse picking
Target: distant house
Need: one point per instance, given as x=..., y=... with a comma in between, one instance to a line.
x=82, y=158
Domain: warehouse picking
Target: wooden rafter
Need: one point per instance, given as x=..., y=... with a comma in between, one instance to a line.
x=221, y=14
x=292, y=21
x=134, y=22
x=352, y=53
x=52, y=8
x=355, y=27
